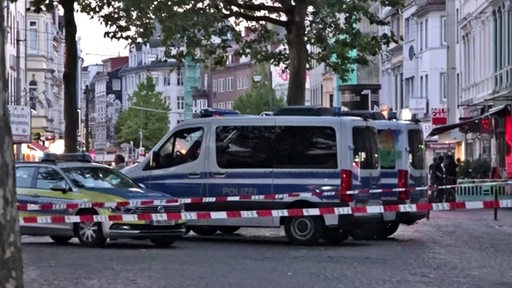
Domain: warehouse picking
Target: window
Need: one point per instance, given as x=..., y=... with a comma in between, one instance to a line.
x=24, y=176
x=388, y=155
x=421, y=87
x=421, y=36
x=229, y=84
x=180, y=102
x=182, y=147
x=32, y=92
x=282, y=147
x=167, y=79
x=426, y=86
x=443, y=30
x=240, y=79
x=116, y=84
x=214, y=88
x=443, y=86
x=409, y=87
x=408, y=28
x=156, y=79
x=365, y=147
x=48, y=177
x=222, y=84
x=416, y=149
x=229, y=105
x=179, y=79
x=426, y=33
x=33, y=39
x=246, y=82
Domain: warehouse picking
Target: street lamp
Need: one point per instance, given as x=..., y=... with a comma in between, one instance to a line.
x=258, y=78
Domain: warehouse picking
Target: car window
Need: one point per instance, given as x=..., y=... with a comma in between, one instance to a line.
x=24, y=176
x=182, y=147
x=98, y=177
x=388, y=154
x=365, y=147
x=48, y=177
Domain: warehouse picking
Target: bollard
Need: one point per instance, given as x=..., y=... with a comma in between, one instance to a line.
x=495, y=209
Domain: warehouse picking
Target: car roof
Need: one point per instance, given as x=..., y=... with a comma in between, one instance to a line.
x=61, y=164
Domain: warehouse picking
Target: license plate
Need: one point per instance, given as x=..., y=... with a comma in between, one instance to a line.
x=163, y=222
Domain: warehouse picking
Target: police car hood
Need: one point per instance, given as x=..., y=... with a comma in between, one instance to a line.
x=132, y=193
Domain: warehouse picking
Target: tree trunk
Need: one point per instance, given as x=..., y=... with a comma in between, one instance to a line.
x=70, y=78
x=11, y=265
x=296, y=40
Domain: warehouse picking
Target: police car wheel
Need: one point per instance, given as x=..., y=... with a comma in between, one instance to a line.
x=60, y=240
x=304, y=230
x=90, y=233
x=335, y=235
x=162, y=242
x=228, y=229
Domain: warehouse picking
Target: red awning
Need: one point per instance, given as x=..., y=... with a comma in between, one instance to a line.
x=37, y=146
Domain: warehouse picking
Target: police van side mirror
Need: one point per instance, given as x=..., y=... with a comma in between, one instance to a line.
x=154, y=159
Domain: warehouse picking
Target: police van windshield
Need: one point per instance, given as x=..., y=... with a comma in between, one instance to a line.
x=365, y=147
x=416, y=149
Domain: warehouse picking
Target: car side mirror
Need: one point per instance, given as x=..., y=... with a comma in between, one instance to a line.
x=59, y=187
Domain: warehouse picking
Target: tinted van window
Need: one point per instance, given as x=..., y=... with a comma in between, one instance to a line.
x=416, y=149
x=244, y=146
x=282, y=147
x=365, y=147
x=305, y=147
x=183, y=147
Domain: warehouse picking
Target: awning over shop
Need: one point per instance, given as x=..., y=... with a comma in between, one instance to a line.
x=445, y=128
x=37, y=146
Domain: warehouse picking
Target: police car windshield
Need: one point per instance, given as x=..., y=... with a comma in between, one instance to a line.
x=98, y=177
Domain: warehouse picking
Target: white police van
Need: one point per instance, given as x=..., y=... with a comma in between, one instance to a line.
x=402, y=164
x=213, y=157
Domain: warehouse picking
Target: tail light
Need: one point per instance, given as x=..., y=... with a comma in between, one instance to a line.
x=403, y=185
x=346, y=185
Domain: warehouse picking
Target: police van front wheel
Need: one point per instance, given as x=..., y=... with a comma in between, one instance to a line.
x=304, y=230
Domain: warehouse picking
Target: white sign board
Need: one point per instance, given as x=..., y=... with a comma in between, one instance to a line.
x=20, y=123
x=418, y=105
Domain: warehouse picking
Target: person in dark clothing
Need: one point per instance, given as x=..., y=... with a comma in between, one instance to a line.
x=450, y=170
x=431, y=170
x=437, y=178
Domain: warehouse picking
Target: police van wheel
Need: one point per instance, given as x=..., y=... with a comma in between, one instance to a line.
x=204, y=230
x=90, y=233
x=60, y=240
x=335, y=235
x=304, y=230
x=390, y=228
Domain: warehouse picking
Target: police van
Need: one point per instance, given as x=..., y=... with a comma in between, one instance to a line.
x=214, y=157
x=401, y=159
x=402, y=164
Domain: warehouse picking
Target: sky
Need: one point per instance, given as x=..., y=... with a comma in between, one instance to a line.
x=93, y=44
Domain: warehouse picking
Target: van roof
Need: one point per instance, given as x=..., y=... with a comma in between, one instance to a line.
x=279, y=119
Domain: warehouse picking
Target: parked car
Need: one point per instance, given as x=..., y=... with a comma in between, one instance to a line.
x=73, y=178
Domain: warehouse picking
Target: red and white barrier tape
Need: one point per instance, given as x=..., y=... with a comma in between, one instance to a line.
x=148, y=202
x=269, y=213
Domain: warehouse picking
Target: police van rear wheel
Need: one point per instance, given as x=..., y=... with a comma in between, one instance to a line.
x=390, y=228
x=204, y=230
x=335, y=235
x=304, y=230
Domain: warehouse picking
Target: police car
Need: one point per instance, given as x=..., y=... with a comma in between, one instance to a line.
x=73, y=178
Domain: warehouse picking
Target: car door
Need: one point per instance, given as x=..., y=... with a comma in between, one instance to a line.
x=179, y=166
x=47, y=179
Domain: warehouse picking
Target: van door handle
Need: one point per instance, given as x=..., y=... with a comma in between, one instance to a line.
x=219, y=174
x=194, y=175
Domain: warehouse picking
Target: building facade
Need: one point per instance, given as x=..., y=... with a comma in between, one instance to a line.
x=45, y=67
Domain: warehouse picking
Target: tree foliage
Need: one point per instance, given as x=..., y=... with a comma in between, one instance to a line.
x=257, y=98
x=148, y=114
x=208, y=28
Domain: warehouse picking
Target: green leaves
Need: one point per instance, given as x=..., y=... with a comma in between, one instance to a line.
x=148, y=114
